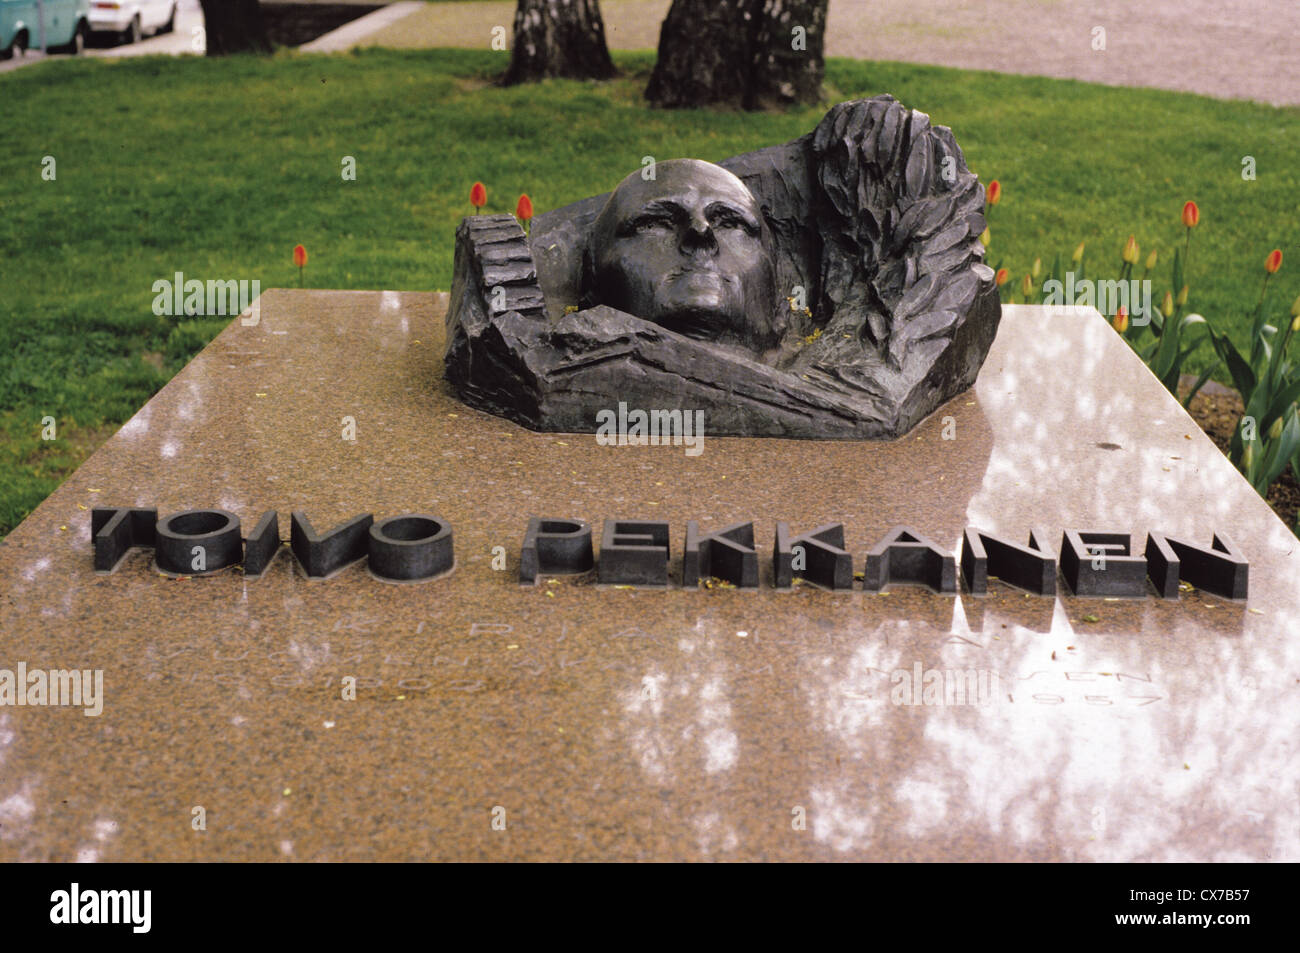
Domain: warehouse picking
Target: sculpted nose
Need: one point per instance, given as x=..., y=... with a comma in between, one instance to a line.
x=698, y=236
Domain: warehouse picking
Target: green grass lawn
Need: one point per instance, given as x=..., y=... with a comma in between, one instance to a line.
x=217, y=168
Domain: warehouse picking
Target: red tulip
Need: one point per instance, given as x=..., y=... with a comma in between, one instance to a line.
x=1191, y=214
x=299, y=259
x=478, y=196
x=1273, y=262
x=524, y=210
x=1121, y=319
x=994, y=194
x=1001, y=277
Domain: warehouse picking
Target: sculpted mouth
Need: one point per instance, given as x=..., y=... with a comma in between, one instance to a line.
x=707, y=268
x=708, y=277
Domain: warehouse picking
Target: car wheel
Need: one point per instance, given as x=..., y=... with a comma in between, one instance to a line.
x=170, y=25
x=77, y=45
x=133, y=33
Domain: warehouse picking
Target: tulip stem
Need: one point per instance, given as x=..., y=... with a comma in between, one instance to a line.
x=1263, y=288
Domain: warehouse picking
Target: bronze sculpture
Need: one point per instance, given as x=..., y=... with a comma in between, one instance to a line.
x=831, y=287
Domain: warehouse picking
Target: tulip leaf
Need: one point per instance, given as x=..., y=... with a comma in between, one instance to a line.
x=1281, y=402
x=1259, y=333
x=1251, y=458
x=1168, y=350
x=1200, y=382
x=1175, y=373
x=1273, y=377
x=1243, y=378
x=1257, y=405
x=1278, y=455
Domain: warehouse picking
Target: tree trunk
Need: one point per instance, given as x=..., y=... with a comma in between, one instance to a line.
x=754, y=54
x=558, y=38
x=788, y=61
x=234, y=26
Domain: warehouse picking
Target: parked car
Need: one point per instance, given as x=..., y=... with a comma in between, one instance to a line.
x=56, y=26
x=131, y=20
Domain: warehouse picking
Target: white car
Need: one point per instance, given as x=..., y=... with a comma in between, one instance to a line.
x=132, y=19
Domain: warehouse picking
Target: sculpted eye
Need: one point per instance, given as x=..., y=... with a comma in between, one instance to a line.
x=725, y=218
x=650, y=222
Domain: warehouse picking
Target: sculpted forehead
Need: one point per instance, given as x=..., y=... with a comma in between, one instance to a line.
x=682, y=180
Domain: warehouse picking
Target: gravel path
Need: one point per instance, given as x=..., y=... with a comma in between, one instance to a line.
x=1232, y=49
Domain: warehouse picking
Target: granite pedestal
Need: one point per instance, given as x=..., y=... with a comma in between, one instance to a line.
x=494, y=721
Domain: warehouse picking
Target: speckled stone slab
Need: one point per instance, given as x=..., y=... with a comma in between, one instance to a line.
x=595, y=723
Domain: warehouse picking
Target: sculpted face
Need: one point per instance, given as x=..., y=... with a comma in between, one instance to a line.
x=687, y=252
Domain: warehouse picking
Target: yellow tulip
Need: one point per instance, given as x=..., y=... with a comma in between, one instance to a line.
x=1167, y=305
x=1078, y=253
x=985, y=237
x=1151, y=260
x=1182, y=297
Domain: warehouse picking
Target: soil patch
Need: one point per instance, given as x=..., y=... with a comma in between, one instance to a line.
x=1217, y=410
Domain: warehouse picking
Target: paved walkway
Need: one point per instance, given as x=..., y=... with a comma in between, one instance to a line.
x=1233, y=49
x=352, y=34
